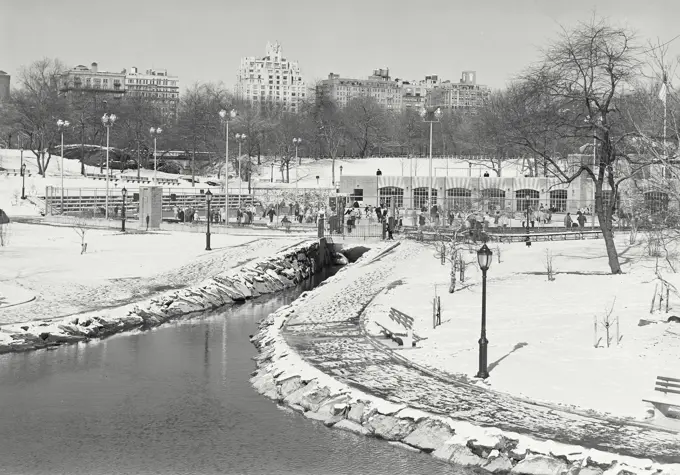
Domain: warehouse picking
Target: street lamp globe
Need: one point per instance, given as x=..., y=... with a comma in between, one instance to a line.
x=423, y=112
x=484, y=255
x=378, y=173
x=208, y=196
x=124, y=192
x=438, y=113
x=297, y=141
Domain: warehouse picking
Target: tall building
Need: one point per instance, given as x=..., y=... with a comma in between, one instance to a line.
x=156, y=85
x=379, y=86
x=466, y=94
x=415, y=93
x=271, y=80
x=4, y=85
x=84, y=79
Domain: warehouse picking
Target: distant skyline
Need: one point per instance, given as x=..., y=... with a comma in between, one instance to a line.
x=204, y=40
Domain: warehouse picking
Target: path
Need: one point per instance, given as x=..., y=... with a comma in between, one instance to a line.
x=328, y=335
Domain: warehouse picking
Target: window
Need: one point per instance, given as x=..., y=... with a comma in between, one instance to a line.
x=420, y=197
x=493, y=199
x=526, y=198
x=389, y=193
x=558, y=200
x=357, y=195
x=459, y=199
x=656, y=201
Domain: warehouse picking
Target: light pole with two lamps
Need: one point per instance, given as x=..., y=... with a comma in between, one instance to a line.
x=108, y=120
x=208, y=199
x=240, y=138
x=296, y=142
x=155, y=132
x=124, y=193
x=226, y=116
x=484, y=255
x=430, y=116
x=62, y=125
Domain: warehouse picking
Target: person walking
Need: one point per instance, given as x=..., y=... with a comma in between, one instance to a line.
x=271, y=213
x=568, y=221
x=581, y=218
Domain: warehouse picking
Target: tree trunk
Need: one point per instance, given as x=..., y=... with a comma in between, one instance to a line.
x=333, y=168
x=605, y=219
x=287, y=171
x=82, y=149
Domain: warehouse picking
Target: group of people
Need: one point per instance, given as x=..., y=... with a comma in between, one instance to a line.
x=580, y=220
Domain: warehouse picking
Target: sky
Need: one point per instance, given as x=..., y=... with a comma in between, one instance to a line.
x=204, y=40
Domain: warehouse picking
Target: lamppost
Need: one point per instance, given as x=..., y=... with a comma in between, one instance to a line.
x=208, y=199
x=430, y=116
x=62, y=125
x=124, y=193
x=378, y=174
x=155, y=132
x=108, y=120
x=240, y=138
x=484, y=256
x=296, y=142
x=226, y=116
x=23, y=180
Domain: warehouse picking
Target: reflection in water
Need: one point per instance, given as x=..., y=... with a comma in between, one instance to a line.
x=165, y=401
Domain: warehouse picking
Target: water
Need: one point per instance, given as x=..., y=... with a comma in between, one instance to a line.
x=174, y=400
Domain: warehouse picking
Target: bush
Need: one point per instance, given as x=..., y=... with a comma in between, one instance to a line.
x=170, y=167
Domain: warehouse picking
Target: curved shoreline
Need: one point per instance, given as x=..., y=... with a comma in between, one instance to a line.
x=283, y=270
x=289, y=378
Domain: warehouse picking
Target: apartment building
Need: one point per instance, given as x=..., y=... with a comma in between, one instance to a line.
x=271, y=80
x=156, y=85
x=93, y=80
x=4, y=85
x=466, y=94
x=379, y=86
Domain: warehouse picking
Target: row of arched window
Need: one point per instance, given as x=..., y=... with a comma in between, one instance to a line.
x=494, y=198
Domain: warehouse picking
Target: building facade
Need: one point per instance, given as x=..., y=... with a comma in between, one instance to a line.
x=415, y=93
x=93, y=80
x=379, y=86
x=155, y=85
x=271, y=80
x=4, y=85
x=466, y=94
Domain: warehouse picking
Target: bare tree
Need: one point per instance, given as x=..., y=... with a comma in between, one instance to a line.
x=366, y=122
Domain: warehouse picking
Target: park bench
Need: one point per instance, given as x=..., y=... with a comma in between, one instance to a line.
x=131, y=179
x=551, y=236
x=102, y=176
x=404, y=330
x=168, y=181
x=667, y=403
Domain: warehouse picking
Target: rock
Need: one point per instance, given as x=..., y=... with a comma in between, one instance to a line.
x=590, y=471
x=403, y=446
x=297, y=408
x=333, y=420
x=356, y=412
x=429, y=435
x=315, y=416
x=540, y=465
x=265, y=385
x=498, y=464
x=296, y=396
x=328, y=407
x=517, y=454
x=314, y=399
x=621, y=469
x=458, y=454
x=289, y=386
x=390, y=427
x=351, y=426
x=225, y=286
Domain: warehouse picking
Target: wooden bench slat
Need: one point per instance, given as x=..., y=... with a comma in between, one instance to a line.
x=667, y=390
x=666, y=378
x=667, y=384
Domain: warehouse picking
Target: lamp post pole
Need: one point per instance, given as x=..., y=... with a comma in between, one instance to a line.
x=61, y=125
x=108, y=120
x=484, y=256
x=23, y=180
x=124, y=193
x=155, y=132
x=431, y=117
x=378, y=174
x=225, y=117
x=208, y=199
x=296, y=142
x=240, y=138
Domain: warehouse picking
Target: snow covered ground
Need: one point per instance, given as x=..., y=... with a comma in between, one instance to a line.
x=117, y=268
x=541, y=333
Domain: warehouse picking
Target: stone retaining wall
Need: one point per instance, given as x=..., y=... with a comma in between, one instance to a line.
x=283, y=376
x=283, y=270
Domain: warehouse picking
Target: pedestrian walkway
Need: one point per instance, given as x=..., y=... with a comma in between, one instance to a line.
x=329, y=335
x=11, y=295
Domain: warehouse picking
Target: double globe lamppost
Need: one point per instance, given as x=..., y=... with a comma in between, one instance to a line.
x=23, y=181
x=108, y=120
x=208, y=200
x=296, y=141
x=240, y=138
x=484, y=255
x=226, y=117
x=61, y=126
x=430, y=116
x=155, y=132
